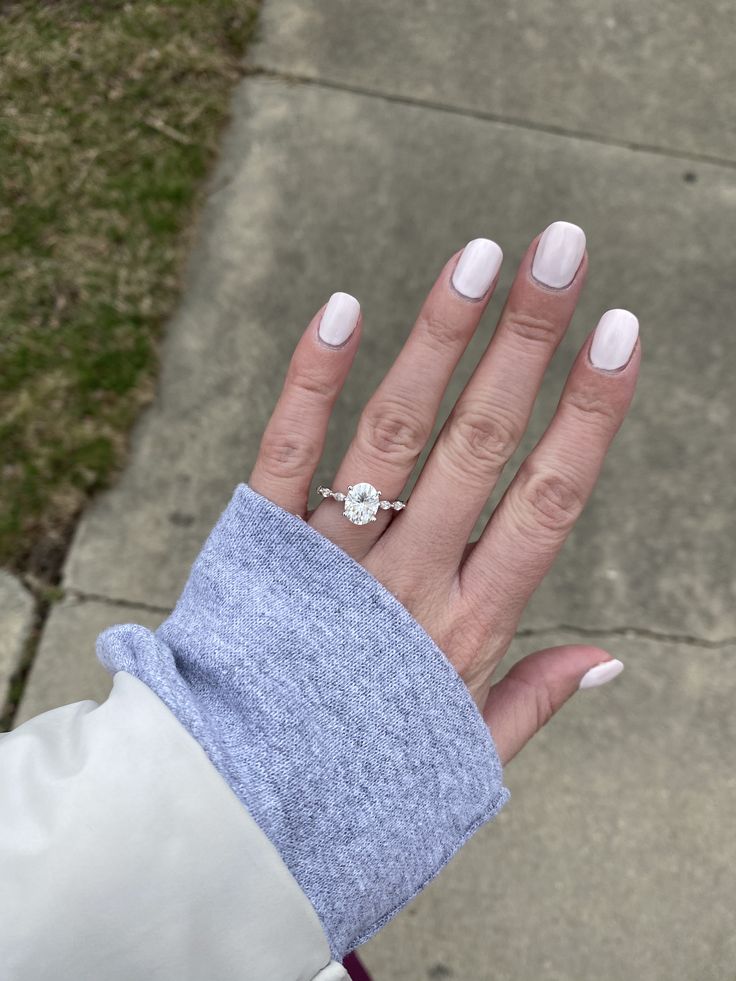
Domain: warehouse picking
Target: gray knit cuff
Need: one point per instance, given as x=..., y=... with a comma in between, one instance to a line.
x=335, y=718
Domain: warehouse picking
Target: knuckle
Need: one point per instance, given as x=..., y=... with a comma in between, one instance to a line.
x=285, y=453
x=392, y=431
x=310, y=384
x=484, y=440
x=545, y=709
x=526, y=326
x=552, y=500
x=438, y=330
x=592, y=407
x=537, y=697
x=542, y=702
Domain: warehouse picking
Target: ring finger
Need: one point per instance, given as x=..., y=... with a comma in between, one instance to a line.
x=398, y=419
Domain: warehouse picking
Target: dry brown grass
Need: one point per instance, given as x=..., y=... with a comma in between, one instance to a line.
x=109, y=118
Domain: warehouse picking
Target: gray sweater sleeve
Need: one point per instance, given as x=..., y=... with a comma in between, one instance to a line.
x=334, y=717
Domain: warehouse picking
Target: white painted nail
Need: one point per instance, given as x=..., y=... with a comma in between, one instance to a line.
x=559, y=253
x=339, y=319
x=614, y=339
x=477, y=267
x=601, y=673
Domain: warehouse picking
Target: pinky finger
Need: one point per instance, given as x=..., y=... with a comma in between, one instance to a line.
x=294, y=438
x=538, y=686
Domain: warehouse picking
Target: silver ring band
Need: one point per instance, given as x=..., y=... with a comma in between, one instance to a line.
x=361, y=503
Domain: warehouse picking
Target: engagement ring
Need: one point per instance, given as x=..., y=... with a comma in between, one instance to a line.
x=362, y=502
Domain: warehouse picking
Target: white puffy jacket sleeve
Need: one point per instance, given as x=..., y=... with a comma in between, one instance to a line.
x=124, y=855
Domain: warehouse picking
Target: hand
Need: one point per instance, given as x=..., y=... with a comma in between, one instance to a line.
x=467, y=596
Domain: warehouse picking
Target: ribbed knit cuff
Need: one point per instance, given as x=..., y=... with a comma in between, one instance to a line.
x=332, y=714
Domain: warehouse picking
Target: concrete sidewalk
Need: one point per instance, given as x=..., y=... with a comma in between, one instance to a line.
x=371, y=140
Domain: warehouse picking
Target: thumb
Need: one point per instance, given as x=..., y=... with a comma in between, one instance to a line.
x=537, y=686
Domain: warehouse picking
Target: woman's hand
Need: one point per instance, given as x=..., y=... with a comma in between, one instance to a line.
x=467, y=596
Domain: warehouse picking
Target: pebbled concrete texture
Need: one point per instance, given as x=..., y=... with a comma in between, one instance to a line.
x=404, y=188
x=658, y=74
x=65, y=668
x=614, y=858
x=16, y=620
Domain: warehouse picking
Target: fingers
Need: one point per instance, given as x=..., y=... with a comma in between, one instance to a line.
x=493, y=411
x=293, y=440
x=538, y=686
x=398, y=420
x=543, y=502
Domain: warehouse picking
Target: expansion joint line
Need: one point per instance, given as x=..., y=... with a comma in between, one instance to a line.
x=639, y=633
x=84, y=597
x=686, y=156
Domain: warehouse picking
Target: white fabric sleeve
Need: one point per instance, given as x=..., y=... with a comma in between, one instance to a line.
x=125, y=855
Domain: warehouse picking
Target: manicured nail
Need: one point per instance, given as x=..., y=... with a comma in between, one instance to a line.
x=559, y=253
x=477, y=267
x=339, y=319
x=614, y=339
x=601, y=673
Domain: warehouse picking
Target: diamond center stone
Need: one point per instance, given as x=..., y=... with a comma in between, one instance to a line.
x=361, y=504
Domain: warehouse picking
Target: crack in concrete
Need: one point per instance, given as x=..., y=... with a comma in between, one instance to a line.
x=687, y=156
x=641, y=633
x=41, y=608
x=644, y=633
x=82, y=597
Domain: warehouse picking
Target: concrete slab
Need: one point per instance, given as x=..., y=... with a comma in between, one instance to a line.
x=649, y=73
x=16, y=619
x=614, y=858
x=65, y=668
x=321, y=190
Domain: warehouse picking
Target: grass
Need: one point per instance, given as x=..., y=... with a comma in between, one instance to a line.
x=110, y=115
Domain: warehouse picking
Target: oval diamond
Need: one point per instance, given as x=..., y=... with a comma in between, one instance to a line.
x=361, y=504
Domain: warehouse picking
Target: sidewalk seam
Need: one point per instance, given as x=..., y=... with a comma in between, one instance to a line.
x=82, y=597
x=643, y=633
x=259, y=71
x=9, y=708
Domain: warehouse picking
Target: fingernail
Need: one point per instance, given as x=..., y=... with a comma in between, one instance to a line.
x=614, y=339
x=339, y=319
x=477, y=267
x=559, y=253
x=601, y=673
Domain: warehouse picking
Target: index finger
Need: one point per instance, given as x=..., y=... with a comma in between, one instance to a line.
x=294, y=439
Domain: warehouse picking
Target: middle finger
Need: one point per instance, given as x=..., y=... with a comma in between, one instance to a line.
x=489, y=419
